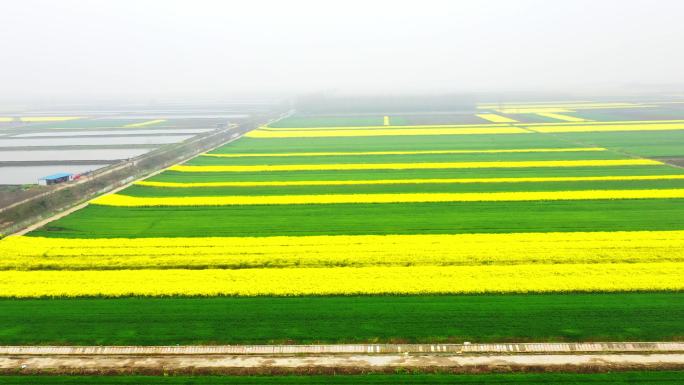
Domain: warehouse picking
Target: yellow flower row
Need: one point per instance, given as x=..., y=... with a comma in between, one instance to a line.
x=35, y=253
x=408, y=181
x=576, y=105
x=419, y=165
x=147, y=123
x=480, y=125
x=411, y=130
x=601, y=123
x=346, y=280
x=424, y=152
x=294, y=133
x=557, y=116
x=496, y=118
x=383, y=127
x=246, y=200
x=614, y=127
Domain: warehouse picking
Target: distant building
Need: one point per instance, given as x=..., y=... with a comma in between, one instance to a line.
x=55, y=178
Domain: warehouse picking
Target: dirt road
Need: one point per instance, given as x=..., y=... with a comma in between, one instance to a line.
x=342, y=358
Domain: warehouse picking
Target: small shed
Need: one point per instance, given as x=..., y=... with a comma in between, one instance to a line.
x=55, y=178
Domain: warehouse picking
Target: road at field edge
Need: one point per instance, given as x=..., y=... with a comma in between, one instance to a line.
x=252, y=359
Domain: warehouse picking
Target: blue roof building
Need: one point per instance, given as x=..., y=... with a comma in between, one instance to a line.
x=55, y=178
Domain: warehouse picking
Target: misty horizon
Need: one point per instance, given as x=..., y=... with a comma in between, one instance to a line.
x=142, y=50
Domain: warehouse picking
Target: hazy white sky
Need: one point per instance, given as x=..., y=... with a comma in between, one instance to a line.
x=147, y=48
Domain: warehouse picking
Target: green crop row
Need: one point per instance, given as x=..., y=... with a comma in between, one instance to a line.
x=265, y=320
x=390, y=218
x=405, y=158
x=189, y=177
x=145, y=191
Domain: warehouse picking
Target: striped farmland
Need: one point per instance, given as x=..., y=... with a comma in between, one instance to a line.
x=379, y=212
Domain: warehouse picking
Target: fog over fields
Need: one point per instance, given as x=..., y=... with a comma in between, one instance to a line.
x=137, y=50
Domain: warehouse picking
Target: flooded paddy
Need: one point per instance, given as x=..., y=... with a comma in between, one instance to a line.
x=31, y=174
x=119, y=140
x=192, y=131
x=62, y=155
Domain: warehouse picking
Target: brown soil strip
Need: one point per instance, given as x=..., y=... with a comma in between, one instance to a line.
x=273, y=359
x=344, y=363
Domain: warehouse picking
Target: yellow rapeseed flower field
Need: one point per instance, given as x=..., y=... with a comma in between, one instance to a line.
x=294, y=133
x=496, y=118
x=566, y=118
x=570, y=105
x=613, y=127
x=244, y=200
x=34, y=253
x=146, y=123
x=346, y=280
x=407, y=181
x=423, y=152
x=383, y=127
x=419, y=165
x=544, y=110
x=602, y=123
